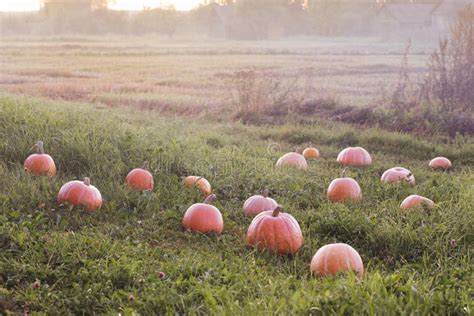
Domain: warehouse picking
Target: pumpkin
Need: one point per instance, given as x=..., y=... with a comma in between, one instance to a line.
x=40, y=163
x=440, y=163
x=336, y=258
x=80, y=193
x=310, y=153
x=140, y=178
x=201, y=183
x=275, y=231
x=398, y=174
x=354, y=157
x=204, y=217
x=292, y=160
x=344, y=189
x=259, y=203
x=416, y=200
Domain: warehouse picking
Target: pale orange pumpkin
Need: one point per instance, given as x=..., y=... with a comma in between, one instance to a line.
x=199, y=182
x=336, y=258
x=416, y=200
x=440, y=163
x=344, y=189
x=398, y=174
x=292, y=159
x=354, y=157
x=40, y=163
x=275, y=231
x=310, y=153
x=140, y=179
x=204, y=217
x=259, y=203
x=80, y=193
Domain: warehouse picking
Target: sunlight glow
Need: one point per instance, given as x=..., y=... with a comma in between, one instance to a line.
x=19, y=5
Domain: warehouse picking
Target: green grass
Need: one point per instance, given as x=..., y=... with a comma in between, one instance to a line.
x=109, y=261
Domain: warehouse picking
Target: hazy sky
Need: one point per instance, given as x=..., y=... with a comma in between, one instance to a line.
x=31, y=5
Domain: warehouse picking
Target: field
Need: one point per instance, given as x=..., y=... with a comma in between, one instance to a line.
x=102, y=108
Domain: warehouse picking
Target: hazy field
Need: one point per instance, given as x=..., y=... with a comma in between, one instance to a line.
x=69, y=94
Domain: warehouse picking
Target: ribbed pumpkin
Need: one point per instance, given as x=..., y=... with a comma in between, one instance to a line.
x=416, y=200
x=259, y=203
x=204, y=217
x=440, y=163
x=398, y=174
x=199, y=182
x=292, y=159
x=275, y=231
x=80, y=193
x=40, y=163
x=354, y=157
x=344, y=189
x=310, y=153
x=140, y=178
x=336, y=258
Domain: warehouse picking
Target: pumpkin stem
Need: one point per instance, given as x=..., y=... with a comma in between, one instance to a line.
x=265, y=193
x=87, y=181
x=146, y=165
x=39, y=147
x=209, y=199
x=277, y=210
x=344, y=171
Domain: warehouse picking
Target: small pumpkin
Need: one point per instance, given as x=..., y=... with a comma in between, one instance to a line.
x=80, y=193
x=140, y=178
x=40, y=163
x=259, y=203
x=310, y=153
x=440, y=163
x=344, y=189
x=398, y=174
x=416, y=200
x=336, y=258
x=204, y=217
x=275, y=231
x=292, y=159
x=354, y=157
x=201, y=183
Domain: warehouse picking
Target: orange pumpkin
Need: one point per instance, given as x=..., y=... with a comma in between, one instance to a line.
x=440, y=163
x=310, y=153
x=203, y=217
x=201, y=183
x=40, y=163
x=80, y=193
x=259, y=203
x=292, y=160
x=275, y=231
x=354, y=157
x=140, y=178
x=398, y=174
x=416, y=200
x=336, y=258
x=344, y=189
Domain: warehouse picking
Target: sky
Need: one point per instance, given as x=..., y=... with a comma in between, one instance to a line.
x=32, y=5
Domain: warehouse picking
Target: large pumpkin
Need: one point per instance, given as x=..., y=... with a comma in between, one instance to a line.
x=344, y=189
x=199, y=182
x=275, y=231
x=204, y=217
x=140, y=178
x=440, y=163
x=292, y=159
x=40, y=163
x=80, y=193
x=416, y=200
x=259, y=203
x=310, y=153
x=336, y=258
x=398, y=174
x=354, y=157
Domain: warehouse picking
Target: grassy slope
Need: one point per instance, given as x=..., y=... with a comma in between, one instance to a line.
x=109, y=261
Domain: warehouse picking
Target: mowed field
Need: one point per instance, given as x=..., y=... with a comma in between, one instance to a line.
x=102, y=108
